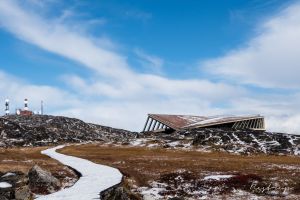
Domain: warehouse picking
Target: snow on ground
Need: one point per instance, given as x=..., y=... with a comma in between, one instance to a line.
x=5, y=185
x=238, y=139
x=261, y=144
x=139, y=142
x=291, y=140
x=152, y=193
x=8, y=174
x=217, y=177
x=95, y=178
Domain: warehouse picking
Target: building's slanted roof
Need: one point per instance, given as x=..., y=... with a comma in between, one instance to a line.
x=178, y=122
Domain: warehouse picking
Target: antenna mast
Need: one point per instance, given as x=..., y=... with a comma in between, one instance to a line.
x=42, y=107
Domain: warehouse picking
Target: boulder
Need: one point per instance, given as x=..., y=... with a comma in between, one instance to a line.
x=118, y=193
x=42, y=181
x=6, y=193
x=23, y=193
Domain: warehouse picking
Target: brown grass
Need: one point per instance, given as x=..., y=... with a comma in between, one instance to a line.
x=144, y=164
x=141, y=165
x=22, y=159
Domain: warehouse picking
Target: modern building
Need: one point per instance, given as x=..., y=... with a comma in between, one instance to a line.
x=162, y=122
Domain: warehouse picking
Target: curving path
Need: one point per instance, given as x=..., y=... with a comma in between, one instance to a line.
x=95, y=178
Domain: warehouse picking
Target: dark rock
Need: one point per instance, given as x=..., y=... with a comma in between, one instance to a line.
x=6, y=193
x=42, y=181
x=23, y=193
x=19, y=189
x=176, y=198
x=118, y=193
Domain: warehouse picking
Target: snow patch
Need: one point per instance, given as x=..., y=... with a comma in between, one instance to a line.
x=174, y=144
x=260, y=144
x=238, y=139
x=5, y=185
x=138, y=142
x=153, y=192
x=217, y=177
x=8, y=174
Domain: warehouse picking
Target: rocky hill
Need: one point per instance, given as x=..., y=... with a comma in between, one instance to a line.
x=38, y=130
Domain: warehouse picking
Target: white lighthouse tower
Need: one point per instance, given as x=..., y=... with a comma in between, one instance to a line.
x=6, y=106
x=26, y=104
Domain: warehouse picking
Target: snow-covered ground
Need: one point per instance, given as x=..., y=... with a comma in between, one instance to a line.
x=217, y=177
x=5, y=185
x=95, y=178
x=8, y=174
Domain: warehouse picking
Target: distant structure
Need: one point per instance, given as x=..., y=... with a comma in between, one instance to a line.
x=169, y=123
x=6, y=106
x=42, y=107
x=26, y=104
x=25, y=111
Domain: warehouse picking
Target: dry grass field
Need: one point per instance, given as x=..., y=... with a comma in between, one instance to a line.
x=147, y=164
x=142, y=165
x=23, y=158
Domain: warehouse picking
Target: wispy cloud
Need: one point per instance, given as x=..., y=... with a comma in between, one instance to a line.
x=57, y=38
x=270, y=59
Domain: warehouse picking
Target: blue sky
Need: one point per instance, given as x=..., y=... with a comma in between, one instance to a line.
x=179, y=32
x=112, y=62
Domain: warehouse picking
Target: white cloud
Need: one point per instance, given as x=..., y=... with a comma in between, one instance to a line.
x=16, y=90
x=56, y=38
x=285, y=123
x=270, y=59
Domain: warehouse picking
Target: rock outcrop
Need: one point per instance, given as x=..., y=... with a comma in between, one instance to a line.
x=39, y=130
x=14, y=185
x=42, y=181
x=118, y=192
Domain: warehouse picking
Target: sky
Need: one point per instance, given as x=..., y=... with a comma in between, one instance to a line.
x=112, y=62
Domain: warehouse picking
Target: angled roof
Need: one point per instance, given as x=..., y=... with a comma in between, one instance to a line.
x=191, y=121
